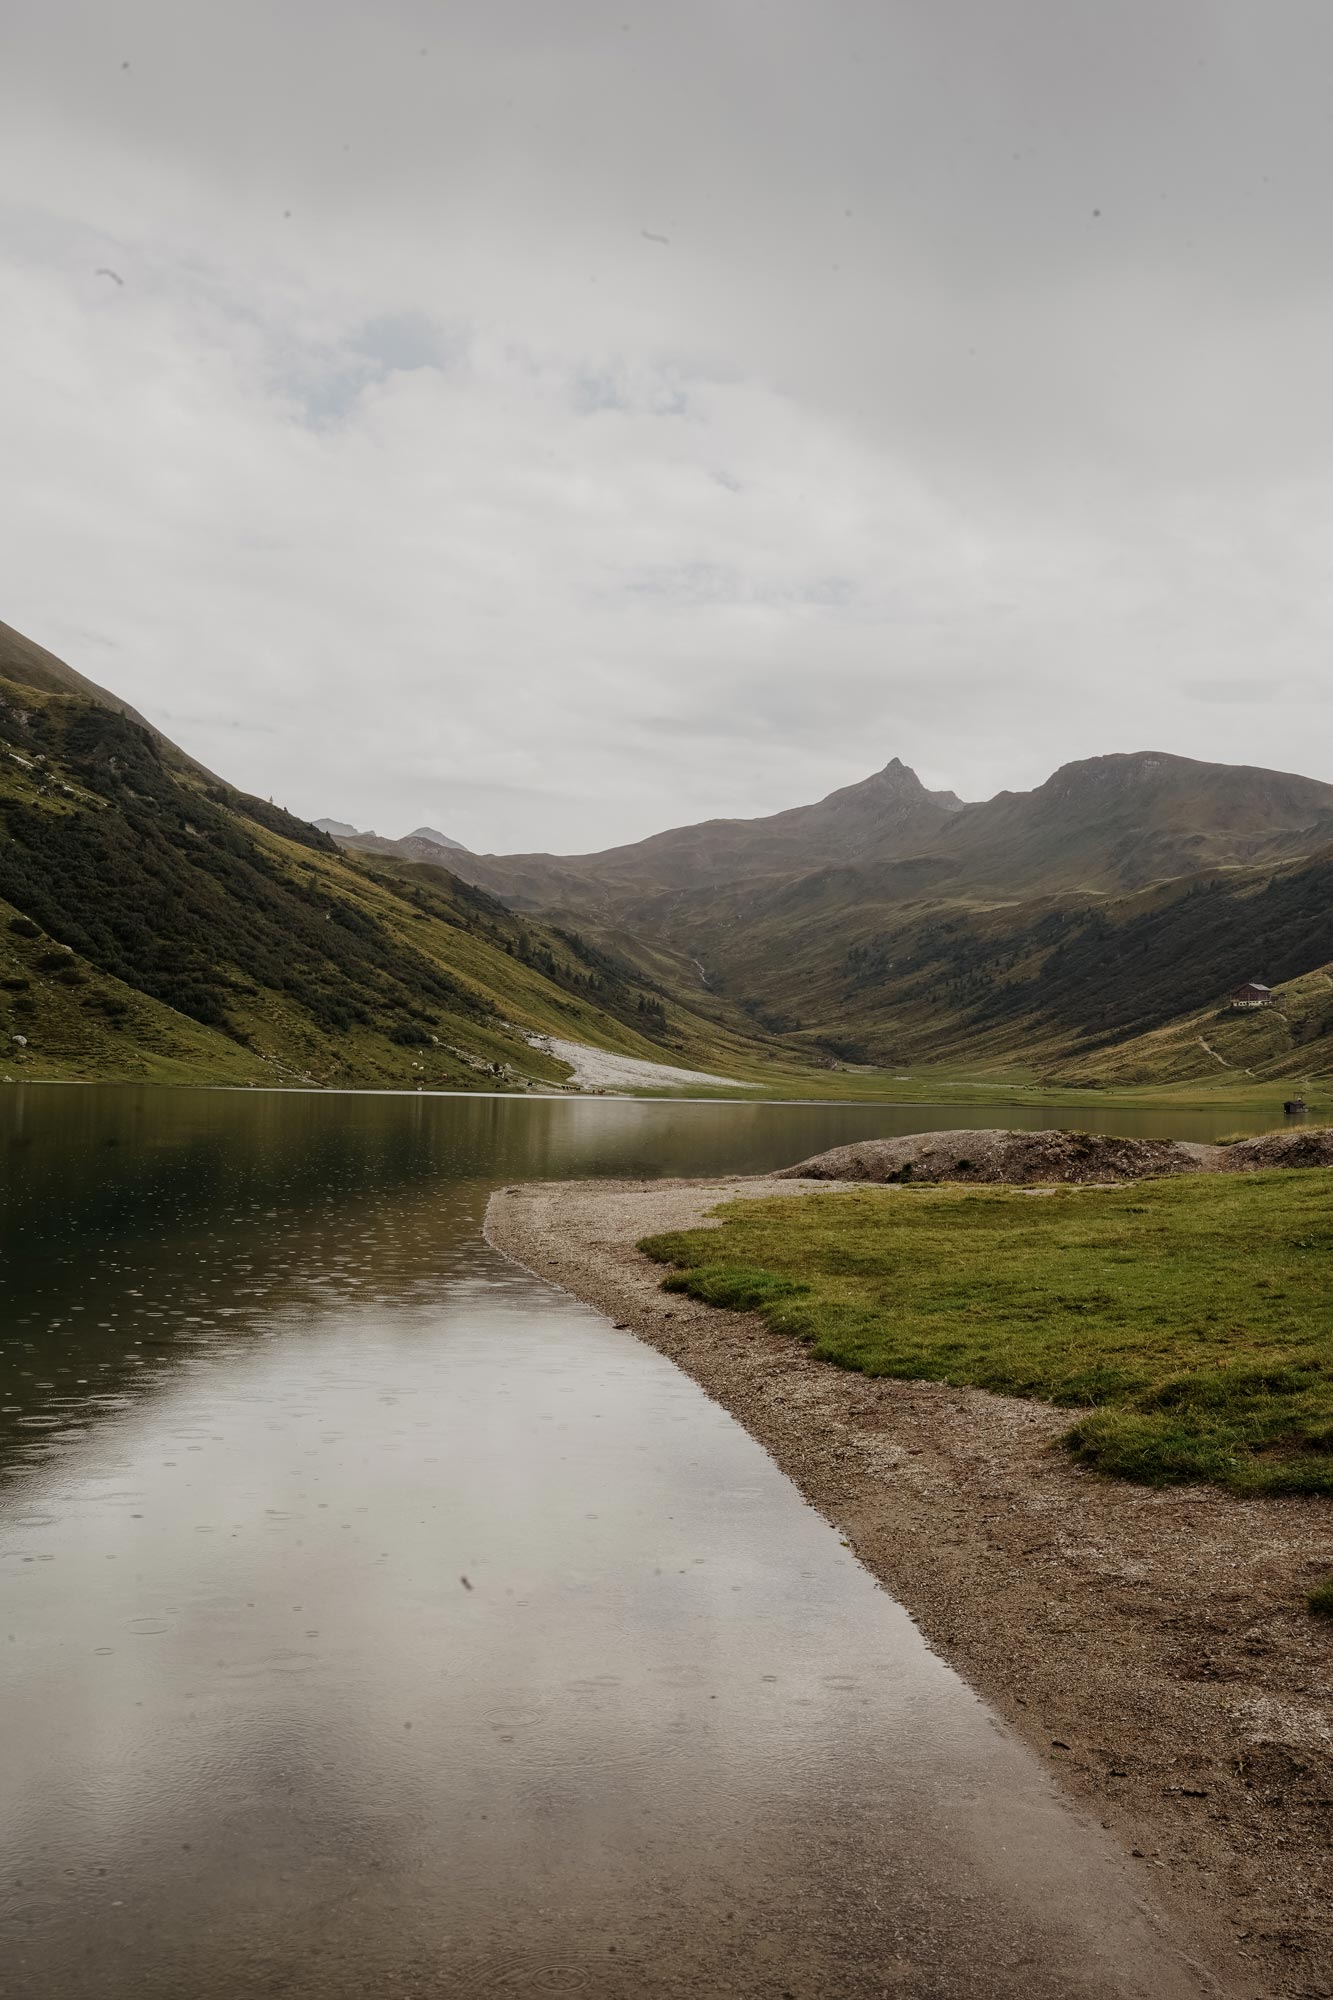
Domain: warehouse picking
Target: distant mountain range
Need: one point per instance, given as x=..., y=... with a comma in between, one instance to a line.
x=1103, y=825
x=423, y=844
x=889, y=923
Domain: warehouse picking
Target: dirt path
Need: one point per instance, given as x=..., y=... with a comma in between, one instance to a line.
x=1153, y=1647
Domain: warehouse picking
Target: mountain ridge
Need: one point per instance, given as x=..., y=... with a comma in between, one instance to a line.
x=1201, y=814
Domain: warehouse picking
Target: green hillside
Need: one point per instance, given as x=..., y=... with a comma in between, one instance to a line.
x=157, y=925
x=1078, y=988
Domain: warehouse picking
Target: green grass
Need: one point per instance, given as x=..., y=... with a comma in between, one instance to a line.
x=775, y=1078
x=1320, y=1599
x=1192, y=1320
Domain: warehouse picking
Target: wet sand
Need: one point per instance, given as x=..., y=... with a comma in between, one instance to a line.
x=1152, y=1649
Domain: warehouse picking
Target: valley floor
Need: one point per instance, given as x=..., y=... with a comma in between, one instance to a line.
x=1153, y=1645
x=520, y=1060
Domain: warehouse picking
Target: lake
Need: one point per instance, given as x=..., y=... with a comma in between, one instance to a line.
x=376, y=1619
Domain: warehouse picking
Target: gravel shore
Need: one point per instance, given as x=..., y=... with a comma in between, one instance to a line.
x=598, y=1069
x=1153, y=1647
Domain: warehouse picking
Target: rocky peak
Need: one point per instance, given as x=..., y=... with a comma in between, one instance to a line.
x=902, y=781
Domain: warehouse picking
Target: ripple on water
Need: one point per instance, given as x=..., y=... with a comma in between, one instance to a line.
x=526, y=1973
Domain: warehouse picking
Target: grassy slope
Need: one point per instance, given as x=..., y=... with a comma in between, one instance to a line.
x=1194, y=1316
x=1173, y=1069
x=156, y=926
x=1077, y=989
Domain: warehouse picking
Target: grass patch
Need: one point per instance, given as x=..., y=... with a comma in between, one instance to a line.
x=1191, y=1319
x=1320, y=1599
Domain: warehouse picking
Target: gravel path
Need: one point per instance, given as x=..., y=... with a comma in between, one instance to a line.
x=1153, y=1647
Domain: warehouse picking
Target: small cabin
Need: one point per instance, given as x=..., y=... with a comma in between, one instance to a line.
x=1252, y=994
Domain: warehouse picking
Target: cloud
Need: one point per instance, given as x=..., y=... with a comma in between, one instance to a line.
x=973, y=413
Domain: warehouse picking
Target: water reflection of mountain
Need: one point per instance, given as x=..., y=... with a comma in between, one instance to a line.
x=140, y=1229
x=143, y=1230
x=116, y=1161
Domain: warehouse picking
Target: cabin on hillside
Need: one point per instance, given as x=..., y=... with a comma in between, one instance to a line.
x=1252, y=994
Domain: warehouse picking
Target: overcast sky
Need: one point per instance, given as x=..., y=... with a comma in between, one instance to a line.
x=555, y=421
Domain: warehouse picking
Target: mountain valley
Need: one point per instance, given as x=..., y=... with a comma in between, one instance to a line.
x=157, y=923
x=1092, y=928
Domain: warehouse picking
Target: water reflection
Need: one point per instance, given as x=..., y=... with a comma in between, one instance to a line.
x=269, y=1400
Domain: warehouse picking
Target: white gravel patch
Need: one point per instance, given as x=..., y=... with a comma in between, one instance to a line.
x=597, y=1069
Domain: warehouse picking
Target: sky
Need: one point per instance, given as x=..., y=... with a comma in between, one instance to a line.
x=555, y=421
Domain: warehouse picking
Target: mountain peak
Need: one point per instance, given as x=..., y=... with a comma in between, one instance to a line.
x=900, y=779
x=437, y=838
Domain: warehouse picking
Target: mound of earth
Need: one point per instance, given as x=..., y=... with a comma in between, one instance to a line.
x=1027, y=1159
x=1301, y=1146
x=1018, y=1158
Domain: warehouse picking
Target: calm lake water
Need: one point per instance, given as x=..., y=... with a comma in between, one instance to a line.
x=375, y=1619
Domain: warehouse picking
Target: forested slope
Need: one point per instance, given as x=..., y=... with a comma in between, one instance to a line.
x=156, y=923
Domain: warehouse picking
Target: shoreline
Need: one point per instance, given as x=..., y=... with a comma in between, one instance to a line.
x=1261, y=1099
x=1152, y=1646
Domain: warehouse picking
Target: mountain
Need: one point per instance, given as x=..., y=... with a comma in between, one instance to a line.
x=157, y=923
x=1104, y=824
x=890, y=812
x=437, y=838
x=1125, y=821
x=425, y=844
x=889, y=923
